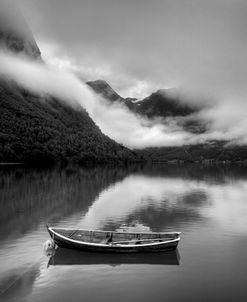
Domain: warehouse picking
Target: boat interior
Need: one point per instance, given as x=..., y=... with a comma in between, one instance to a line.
x=105, y=237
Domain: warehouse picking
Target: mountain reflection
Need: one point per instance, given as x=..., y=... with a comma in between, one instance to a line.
x=29, y=197
x=159, y=196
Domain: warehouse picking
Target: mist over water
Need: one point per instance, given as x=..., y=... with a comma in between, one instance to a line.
x=207, y=204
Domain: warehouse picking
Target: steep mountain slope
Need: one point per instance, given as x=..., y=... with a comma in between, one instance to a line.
x=15, y=35
x=37, y=129
x=47, y=130
x=103, y=88
x=163, y=103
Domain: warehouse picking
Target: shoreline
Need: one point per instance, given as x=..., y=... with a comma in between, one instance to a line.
x=11, y=164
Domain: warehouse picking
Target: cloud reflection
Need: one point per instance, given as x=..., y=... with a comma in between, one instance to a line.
x=163, y=202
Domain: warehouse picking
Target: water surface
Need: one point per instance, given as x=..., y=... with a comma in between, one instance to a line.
x=207, y=204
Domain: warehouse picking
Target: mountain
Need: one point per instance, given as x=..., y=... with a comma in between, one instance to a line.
x=35, y=129
x=164, y=103
x=46, y=130
x=15, y=34
x=168, y=103
x=104, y=89
x=208, y=153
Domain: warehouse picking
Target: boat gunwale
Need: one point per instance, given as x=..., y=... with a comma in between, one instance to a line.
x=114, y=232
x=117, y=245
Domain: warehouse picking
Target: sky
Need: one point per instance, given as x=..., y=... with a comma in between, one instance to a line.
x=138, y=47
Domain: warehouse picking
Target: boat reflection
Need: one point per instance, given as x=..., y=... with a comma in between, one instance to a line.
x=64, y=256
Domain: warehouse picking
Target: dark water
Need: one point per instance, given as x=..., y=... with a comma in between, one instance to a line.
x=207, y=204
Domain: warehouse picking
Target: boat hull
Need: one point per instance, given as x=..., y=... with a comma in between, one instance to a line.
x=113, y=248
x=65, y=257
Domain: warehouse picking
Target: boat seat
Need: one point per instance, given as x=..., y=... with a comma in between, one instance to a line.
x=108, y=239
x=72, y=234
x=104, y=241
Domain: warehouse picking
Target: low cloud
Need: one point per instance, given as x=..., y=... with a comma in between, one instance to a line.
x=227, y=119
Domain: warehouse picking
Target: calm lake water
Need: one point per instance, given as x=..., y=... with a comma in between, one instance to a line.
x=207, y=204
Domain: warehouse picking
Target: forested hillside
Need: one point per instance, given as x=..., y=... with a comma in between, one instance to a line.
x=213, y=152
x=45, y=130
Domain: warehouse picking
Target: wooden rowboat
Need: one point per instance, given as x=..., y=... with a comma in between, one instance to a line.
x=114, y=242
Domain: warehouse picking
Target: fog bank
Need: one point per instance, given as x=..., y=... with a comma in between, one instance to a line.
x=227, y=119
